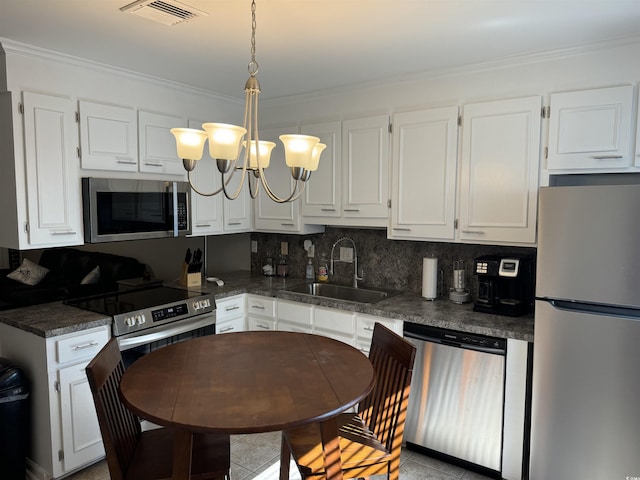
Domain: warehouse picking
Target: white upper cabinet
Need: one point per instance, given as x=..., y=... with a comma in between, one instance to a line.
x=591, y=129
x=351, y=185
x=54, y=199
x=499, y=171
x=238, y=213
x=323, y=194
x=206, y=210
x=157, y=145
x=365, y=168
x=423, y=185
x=108, y=137
x=271, y=216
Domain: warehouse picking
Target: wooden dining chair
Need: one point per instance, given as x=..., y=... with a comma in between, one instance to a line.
x=134, y=454
x=371, y=440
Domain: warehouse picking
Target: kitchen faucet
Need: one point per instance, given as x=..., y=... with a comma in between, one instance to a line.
x=355, y=260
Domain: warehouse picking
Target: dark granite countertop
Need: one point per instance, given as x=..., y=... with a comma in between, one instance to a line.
x=53, y=319
x=57, y=319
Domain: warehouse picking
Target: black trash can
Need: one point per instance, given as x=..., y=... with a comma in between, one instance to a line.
x=14, y=421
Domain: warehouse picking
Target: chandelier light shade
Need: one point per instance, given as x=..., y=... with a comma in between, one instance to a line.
x=228, y=146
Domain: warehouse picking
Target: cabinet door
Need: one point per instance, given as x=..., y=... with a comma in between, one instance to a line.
x=238, y=213
x=499, y=171
x=591, y=129
x=81, y=438
x=269, y=215
x=53, y=180
x=206, y=211
x=108, y=137
x=425, y=146
x=231, y=325
x=157, y=145
x=365, y=167
x=322, y=197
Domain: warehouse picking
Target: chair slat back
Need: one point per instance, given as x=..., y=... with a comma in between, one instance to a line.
x=119, y=427
x=385, y=409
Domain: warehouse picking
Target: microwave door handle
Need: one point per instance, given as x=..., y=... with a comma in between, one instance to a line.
x=175, y=209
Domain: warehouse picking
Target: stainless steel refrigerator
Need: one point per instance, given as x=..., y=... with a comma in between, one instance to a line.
x=586, y=370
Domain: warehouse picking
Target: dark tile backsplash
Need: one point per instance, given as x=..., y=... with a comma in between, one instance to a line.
x=392, y=264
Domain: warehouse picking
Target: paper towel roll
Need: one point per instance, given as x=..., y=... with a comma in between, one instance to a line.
x=430, y=278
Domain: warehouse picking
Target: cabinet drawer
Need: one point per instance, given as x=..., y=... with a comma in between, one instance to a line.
x=332, y=320
x=81, y=346
x=231, y=325
x=296, y=313
x=257, y=323
x=230, y=307
x=365, y=323
x=258, y=305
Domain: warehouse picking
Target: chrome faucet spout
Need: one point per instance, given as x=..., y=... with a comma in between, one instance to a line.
x=356, y=278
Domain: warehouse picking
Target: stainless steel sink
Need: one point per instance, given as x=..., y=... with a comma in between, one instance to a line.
x=342, y=292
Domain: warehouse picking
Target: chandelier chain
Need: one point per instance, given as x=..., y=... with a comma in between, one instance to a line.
x=253, y=65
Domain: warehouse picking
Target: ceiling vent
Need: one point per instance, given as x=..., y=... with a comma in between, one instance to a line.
x=166, y=12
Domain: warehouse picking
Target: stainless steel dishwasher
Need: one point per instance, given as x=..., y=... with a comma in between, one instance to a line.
x=456, y=403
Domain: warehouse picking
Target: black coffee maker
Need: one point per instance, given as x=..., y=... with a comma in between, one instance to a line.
x=505, y=284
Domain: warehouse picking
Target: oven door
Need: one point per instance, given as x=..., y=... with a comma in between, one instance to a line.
x=138, y=344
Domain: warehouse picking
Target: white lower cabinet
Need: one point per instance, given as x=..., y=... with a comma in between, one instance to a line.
x=65, y=435
x=260, y=312
x=231, y=314
x=337, y=324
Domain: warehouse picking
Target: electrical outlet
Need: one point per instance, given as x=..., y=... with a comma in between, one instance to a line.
x=284, y=248
x=311, y=252
x=254, y=246
x=346, y=254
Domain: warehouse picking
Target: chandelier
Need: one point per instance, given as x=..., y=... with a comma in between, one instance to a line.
x=239, y=150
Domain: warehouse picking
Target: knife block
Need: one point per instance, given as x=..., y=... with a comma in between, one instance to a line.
x=190, y=279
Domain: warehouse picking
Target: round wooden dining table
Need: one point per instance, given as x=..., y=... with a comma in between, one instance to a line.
x=248, y=382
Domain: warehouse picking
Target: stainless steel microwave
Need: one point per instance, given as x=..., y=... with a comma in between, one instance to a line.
x=120, y=209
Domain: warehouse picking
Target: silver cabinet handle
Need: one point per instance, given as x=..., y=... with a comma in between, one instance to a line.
x=352, y=210
x=328, y=210
x=402, y=229
x=473, y=232
x=263, y=326
x=226, y=329
x=607, y=157
x=126, y=160
x=287, y=224
x=234, y=223
x=228, y=309
x=203, y=225
x=68, y=232
x=85, y=345
x=259, y=307
x=152, y=164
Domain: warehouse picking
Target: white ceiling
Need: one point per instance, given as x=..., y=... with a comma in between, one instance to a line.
x=309, y=45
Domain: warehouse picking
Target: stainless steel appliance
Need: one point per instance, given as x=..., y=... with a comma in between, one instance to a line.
x=505, y=284
x=586, y=387
x=149, y=318
x=119, y=209
x=457, y=396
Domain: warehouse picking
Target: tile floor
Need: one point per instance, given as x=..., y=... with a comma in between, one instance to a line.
x=253, y=458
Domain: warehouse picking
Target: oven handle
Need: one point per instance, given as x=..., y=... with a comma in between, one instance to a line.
x=143, y=337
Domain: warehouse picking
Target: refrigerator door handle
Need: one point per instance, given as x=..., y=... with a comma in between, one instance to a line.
x=596, y=309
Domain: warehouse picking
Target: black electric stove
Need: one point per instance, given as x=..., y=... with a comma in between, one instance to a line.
x=134, y=310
